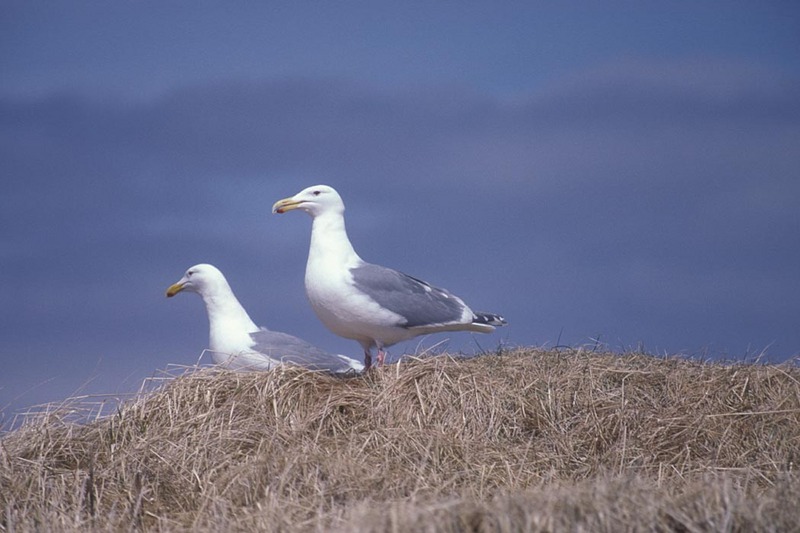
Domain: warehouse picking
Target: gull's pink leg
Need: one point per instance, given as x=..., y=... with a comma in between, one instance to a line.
x=381, y=355
x=368, y=359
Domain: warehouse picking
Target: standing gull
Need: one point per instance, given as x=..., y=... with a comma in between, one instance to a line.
x=236, y=342
x=374, y=305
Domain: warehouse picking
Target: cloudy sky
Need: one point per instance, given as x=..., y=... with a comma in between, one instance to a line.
x=628, y=175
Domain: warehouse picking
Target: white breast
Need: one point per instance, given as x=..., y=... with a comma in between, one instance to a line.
x=342, y=308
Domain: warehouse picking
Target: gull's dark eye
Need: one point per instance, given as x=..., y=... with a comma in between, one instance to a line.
x=316, y=193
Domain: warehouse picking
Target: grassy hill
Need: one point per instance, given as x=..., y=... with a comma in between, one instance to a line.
x=529, y=440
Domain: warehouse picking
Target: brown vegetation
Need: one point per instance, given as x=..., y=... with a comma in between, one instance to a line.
x=529, y=440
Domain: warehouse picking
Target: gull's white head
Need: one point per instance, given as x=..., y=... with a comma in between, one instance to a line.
x=314, y=200
x=199, y=279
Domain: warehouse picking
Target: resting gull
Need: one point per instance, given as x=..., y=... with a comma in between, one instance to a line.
x=236, y=342
x=372, y=304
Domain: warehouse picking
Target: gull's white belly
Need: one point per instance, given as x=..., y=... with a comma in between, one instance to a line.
x=350, y=313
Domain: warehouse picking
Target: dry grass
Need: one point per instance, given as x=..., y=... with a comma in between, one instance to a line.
x=525, y=441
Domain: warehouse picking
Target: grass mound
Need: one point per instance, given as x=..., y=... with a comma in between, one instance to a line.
x=529, y=440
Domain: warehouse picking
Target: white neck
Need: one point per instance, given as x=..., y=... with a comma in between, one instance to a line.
x=329, y=242
x=226, y=317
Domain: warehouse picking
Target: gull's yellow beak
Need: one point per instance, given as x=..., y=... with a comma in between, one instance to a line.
x=174, y=289
x=287, y=204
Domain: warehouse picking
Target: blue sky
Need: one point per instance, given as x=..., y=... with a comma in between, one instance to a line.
x=629, y=174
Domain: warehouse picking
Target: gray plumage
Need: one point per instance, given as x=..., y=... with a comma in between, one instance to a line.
x=419, y=303
x=290, y=349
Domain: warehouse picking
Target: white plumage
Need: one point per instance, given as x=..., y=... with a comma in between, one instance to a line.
x=235, y=341
x=374, y=305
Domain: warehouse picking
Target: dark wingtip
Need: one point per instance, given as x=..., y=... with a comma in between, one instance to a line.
x=490, y=319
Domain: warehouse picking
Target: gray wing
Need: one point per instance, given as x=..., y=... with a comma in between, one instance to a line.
x=288, y=348
x=419, y=303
